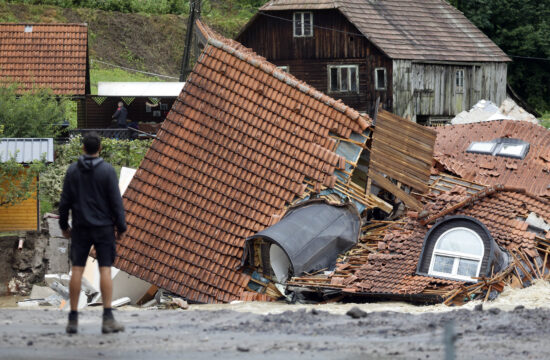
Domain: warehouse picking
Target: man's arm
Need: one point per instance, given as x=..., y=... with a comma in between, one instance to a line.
x=115, y=115
x=64, y=206
x=115, y=201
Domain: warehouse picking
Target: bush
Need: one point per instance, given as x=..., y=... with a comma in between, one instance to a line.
x=32, y=114
x=118, y=153
x=17, y=182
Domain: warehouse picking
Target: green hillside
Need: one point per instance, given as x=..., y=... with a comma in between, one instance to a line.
x=151, y=43
x=148, y=35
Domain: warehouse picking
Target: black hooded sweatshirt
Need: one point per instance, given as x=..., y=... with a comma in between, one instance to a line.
x=90, y=191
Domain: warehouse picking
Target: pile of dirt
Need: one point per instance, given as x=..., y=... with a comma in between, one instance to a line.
x=21, y=268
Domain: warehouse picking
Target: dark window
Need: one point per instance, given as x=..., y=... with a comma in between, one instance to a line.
x=380, y=78
x=459, y=80
x=343, y=78
x=303, y=24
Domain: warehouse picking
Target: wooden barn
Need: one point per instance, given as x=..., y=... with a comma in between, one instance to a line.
x=24, y=216
x=423, y=59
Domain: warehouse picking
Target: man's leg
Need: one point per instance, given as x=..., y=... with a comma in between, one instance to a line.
x=106, y=285
x=74, y=294
x=75, y=286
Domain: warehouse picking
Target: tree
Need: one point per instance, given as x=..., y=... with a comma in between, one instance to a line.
x=18, y=182
x=522, y=29
x=30, y=114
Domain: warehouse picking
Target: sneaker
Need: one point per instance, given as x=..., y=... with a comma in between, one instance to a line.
x=111, y=326
x=72, y=327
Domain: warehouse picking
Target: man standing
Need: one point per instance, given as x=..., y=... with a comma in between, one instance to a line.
x=120, y=115
x=90, y=191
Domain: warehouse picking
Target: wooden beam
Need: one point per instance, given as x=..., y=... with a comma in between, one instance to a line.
x=409, y=200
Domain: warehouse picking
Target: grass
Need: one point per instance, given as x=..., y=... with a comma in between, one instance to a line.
x=545, y=120
x=98, y=74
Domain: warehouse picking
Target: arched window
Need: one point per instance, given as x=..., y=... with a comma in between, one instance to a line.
x=458, y=254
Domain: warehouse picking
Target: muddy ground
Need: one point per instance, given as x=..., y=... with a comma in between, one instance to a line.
x=304, y=334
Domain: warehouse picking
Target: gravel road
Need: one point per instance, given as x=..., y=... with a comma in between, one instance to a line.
x=303, y=334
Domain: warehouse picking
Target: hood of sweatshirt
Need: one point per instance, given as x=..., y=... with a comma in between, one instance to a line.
x=88, y=163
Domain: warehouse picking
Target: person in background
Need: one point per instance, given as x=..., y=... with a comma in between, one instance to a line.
x=120, y=115
x=91, y=193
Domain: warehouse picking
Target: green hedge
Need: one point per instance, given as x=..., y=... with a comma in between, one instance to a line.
x=118, y=153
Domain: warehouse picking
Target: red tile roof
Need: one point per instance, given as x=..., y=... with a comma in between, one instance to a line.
x=531, y=174
x=237, y=146
x=409, y=29
x=45, y=55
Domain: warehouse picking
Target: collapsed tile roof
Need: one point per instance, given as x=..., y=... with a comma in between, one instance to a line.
x=531, y=174
x=236, y=147
x=409, y=29
x=391, y=269
x=44, y=55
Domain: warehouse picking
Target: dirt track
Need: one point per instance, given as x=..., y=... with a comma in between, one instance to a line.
x=491, y=334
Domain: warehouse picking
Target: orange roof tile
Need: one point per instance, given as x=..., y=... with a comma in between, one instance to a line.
x=531, y=174
x=45, y=55
x=236, y=147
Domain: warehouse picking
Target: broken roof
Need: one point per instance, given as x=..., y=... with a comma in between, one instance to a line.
x=45, y=55
x=391, y=269
x=238, y=145
x=531, y=174
x=409, y=29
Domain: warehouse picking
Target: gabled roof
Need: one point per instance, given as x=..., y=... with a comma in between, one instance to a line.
x=531, y=174
x=236, y=148
x=430, y=30
x=44, y=55
x=26, y=150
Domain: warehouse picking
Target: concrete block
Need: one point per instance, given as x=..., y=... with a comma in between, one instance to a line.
x=53, y=227
x=57, y=254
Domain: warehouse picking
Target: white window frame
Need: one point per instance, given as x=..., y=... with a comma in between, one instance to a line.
x=459, y=81
x=285, y=68
x=302, y=27
x=339, y=67
x=457, y=256
x=376, y=79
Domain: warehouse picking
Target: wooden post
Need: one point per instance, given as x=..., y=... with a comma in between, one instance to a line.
x=194, y=13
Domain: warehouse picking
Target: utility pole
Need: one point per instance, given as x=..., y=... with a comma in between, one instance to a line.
x=194, y=13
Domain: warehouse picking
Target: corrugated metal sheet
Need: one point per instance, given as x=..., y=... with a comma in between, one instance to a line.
x=403, y=150
x=410, y=29
x=26, y=150
x=153, y=89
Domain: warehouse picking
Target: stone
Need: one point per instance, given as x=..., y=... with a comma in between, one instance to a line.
x=356, y=313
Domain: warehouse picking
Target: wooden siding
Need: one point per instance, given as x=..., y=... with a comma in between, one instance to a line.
x=94, y=116
x=402, y=150
x=423, y=89
x=308, y=57
x=20, y=217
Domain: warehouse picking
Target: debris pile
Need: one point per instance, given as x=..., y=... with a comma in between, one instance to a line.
x=486, y=110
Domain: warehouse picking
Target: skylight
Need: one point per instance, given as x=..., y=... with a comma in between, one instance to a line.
x=514, y=148
x=482, y=147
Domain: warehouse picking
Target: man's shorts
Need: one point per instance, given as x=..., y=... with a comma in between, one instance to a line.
x=103, y=240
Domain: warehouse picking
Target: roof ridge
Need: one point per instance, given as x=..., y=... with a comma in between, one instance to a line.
x=43, y=24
